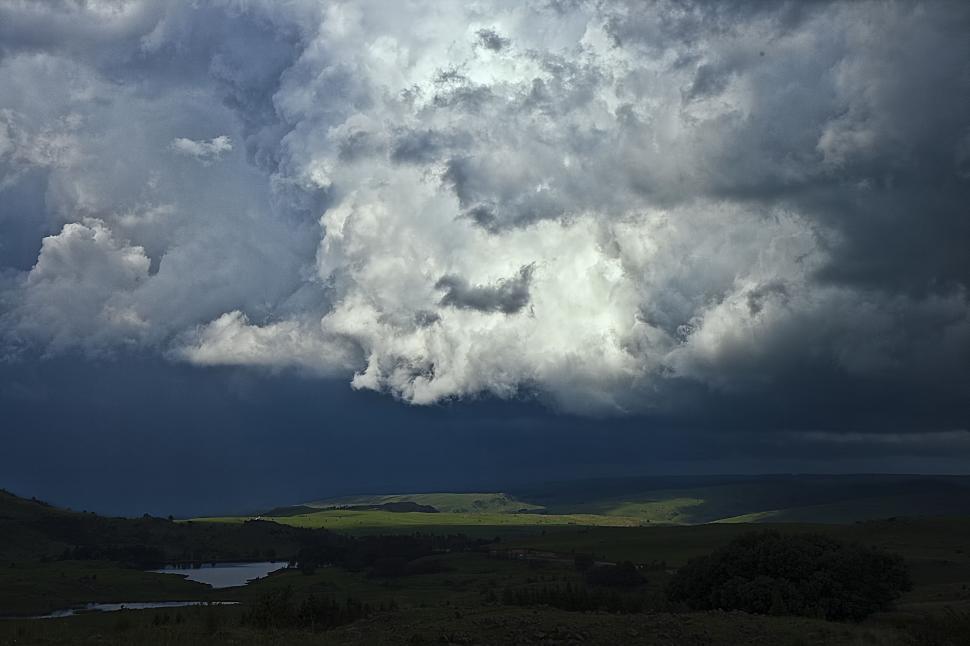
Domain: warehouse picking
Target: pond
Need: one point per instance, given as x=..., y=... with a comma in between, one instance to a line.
x=225, y=575
x=216, y=575
x=113, y=607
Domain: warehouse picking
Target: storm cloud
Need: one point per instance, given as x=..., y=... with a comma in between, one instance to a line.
x=507, y=295
x=613, y=208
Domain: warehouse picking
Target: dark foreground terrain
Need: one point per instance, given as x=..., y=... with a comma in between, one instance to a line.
x=558, y=584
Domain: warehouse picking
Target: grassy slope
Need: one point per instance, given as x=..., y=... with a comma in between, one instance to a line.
x=18, y=538
x=695, y=500
x=451, y=606
x=30, y=530
x=937, y=550
x=762, y=498
x=479, y=625
x=39, y=588
x=930, y=539
x=847, y=511
x=385, y=521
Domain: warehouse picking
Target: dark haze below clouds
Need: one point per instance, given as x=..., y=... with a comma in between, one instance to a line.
x=140, y=435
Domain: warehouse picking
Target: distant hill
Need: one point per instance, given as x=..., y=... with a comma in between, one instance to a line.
x=397, y=507
x=773, y=498
x=34, y=530
x=706, y=499
x=22, y=527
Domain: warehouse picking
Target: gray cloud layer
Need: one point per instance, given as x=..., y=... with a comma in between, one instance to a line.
x=508, y=296
x=616, y=207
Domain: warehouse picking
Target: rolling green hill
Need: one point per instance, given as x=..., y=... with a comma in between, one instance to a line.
x=453, y=503
x=477, y=524
x=782, y=498
x=678, y=500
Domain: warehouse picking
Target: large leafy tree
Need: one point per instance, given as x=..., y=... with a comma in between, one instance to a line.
x=792, y=574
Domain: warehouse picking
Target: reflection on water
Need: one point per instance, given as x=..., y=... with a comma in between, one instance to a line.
x=225, y=575
x=217, y=575
x=112, y=607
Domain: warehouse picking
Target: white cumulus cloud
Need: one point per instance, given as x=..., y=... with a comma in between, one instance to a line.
x=205, y=151
x=595, y=204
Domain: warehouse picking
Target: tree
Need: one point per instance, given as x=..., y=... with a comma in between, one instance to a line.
x=792, y=574
x=583, y=562
x=623, y=575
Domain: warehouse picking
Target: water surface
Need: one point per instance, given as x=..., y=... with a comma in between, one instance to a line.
x=225, y=575
x=113, y=607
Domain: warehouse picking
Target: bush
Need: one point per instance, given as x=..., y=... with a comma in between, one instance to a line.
x=583, y=562
x=575, y=598
x=795, y=574
x=624, y=575
x=280, y=609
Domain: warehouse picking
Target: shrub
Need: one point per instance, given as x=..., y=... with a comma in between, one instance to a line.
x=576, y=598
x=795, y=574
x=624, y=575
x=280, y=609
x=583, y=562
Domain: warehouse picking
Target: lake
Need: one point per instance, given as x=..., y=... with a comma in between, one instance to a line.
x=225, y=575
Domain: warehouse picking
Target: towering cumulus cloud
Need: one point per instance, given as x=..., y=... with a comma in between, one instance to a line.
x=615, y=207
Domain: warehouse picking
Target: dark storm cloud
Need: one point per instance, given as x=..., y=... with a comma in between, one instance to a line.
x=508, y=296
x=425, y=146
x=135, y=435
x=723, y=211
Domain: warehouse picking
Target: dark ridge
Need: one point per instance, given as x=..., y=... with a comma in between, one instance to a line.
x=292, y=510
x=397, y=507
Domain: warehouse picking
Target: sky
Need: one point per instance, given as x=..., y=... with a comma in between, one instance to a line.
x=259, y=251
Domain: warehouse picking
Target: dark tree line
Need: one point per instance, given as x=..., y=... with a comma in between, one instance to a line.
x=136, y=556
x=282, y=609
x=792, y=574
x=381, y=555
x=622, y=575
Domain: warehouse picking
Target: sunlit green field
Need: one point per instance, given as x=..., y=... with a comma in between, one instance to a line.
x=458, y=503
x=471, y=523
x=633, y=501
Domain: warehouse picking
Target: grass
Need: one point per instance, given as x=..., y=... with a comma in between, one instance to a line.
x=453, y=624
x=33, y=588
x=453, y=606
x=372, y=521
x=673, y=510
x=459, y=604
x=452, y=503
x=697, y=500
x=794, y=498
x=848, y=511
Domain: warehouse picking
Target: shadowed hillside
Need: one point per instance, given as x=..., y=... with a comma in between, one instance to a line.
x=31, y=529
x=781, y=498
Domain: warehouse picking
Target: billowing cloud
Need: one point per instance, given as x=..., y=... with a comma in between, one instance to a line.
x=508, y=295
x=613, y=207
x=205, y=151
